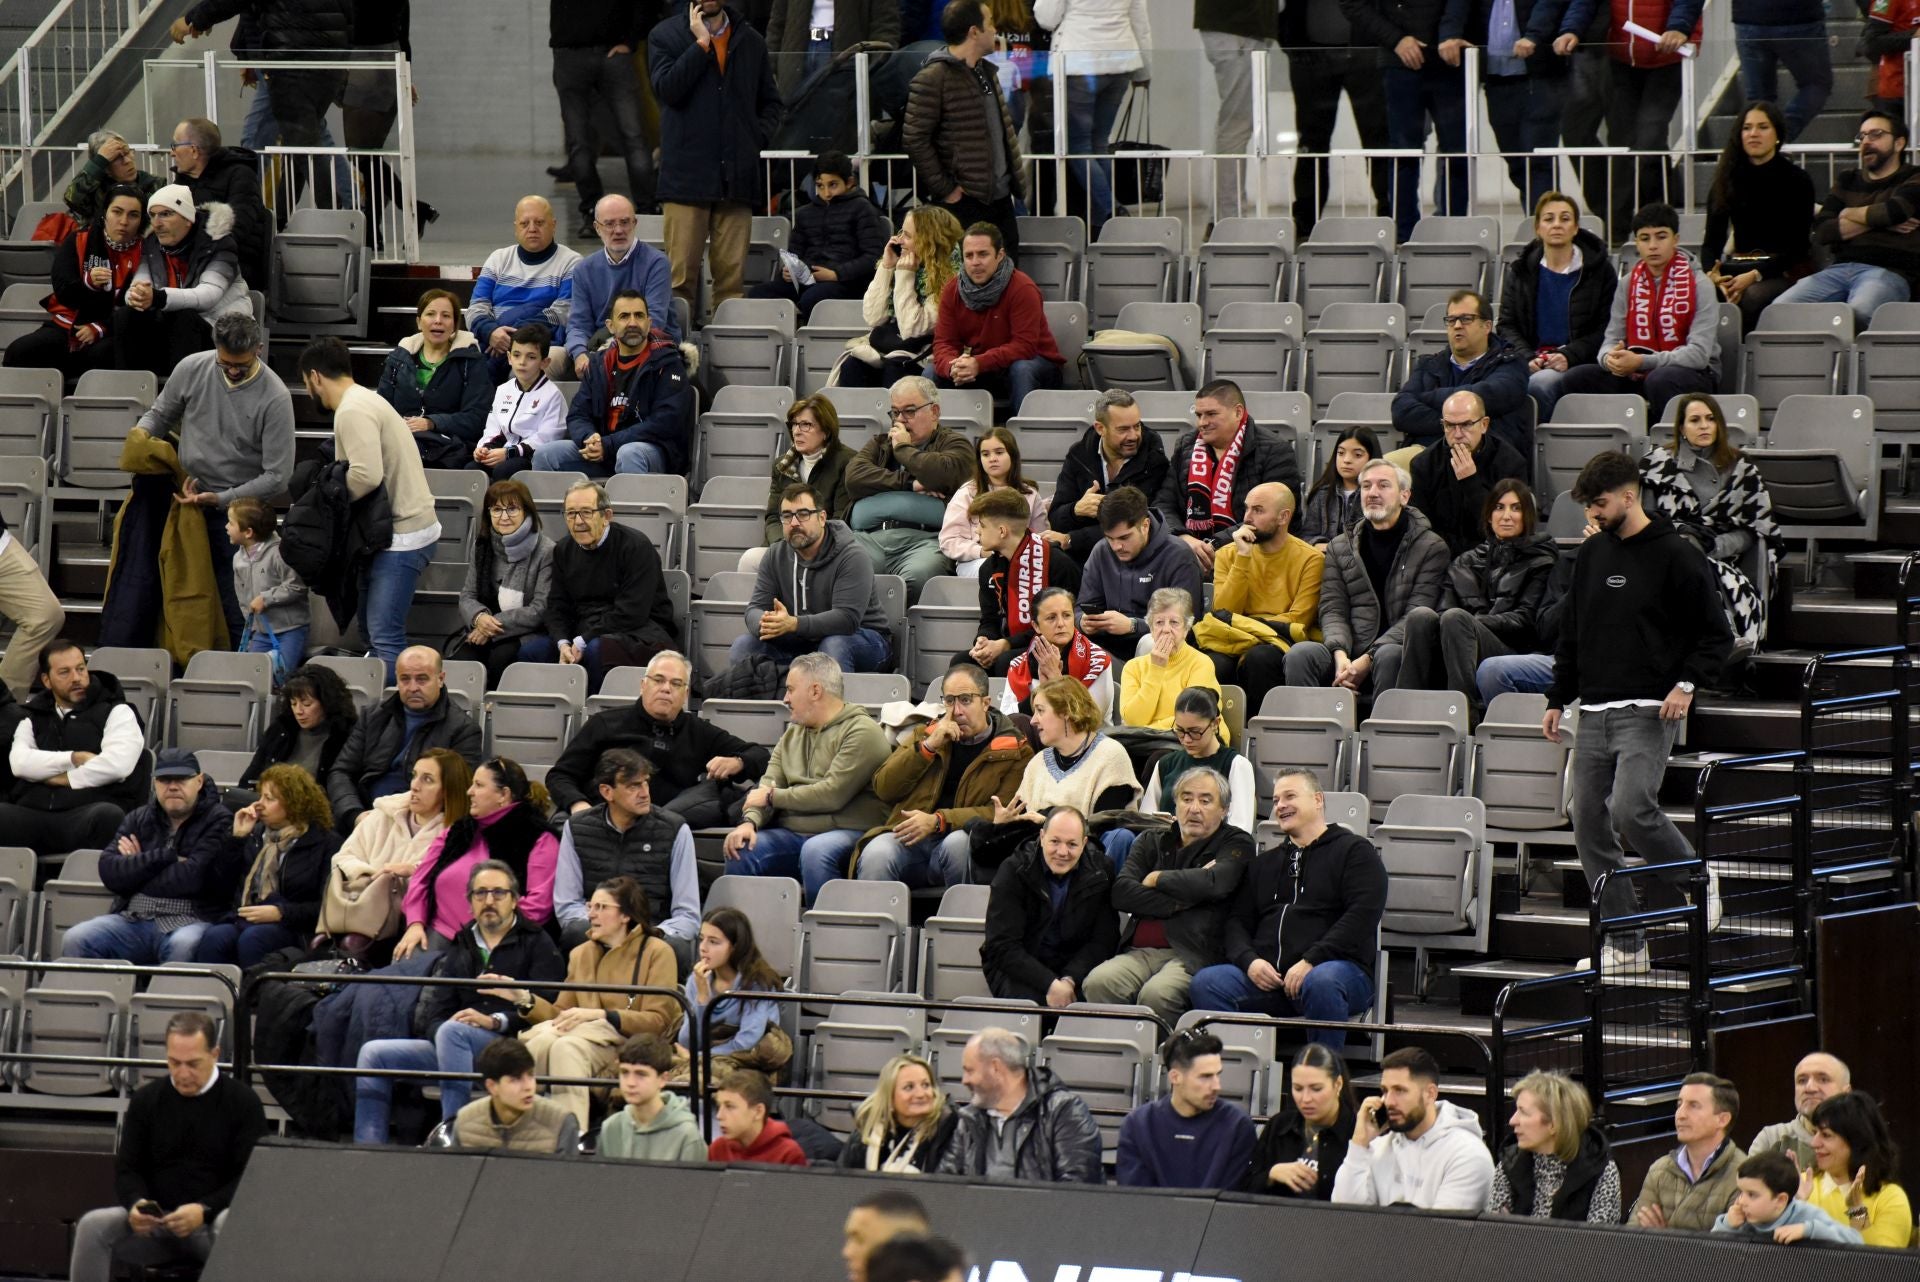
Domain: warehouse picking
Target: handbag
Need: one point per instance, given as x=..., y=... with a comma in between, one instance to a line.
x=373, y=910
x=329, y=966
x=258, y=622
x=1138, y=181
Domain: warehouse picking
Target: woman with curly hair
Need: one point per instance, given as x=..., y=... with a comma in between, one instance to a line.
x=310, y=723
x=903, y=301
x=287, y=841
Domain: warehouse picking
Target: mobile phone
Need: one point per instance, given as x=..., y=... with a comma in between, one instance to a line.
x=147, y=1206
x=1380, y=1119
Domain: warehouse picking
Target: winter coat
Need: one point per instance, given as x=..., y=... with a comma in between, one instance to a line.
x=679, y=750
x=1455, y=508
x=301, y=880
x=945, y=131
x=86, y=195
x=489, y=570
x=1249, y=18
x=232, y=177
x=383, y=839
x=855, y=22
x=456, y=399
x=162, y=586
x=1319, y=904
x=1446, y=1169
x=1028, y=944
x=74, y=301
x=1284, y=1139
x=1503, y=583
x=286, y=28
x=375, y=741
x=1726, y=526
x=713, y=122
x=1500, y=379
x=829, y=480
x=1352, y=618
x=1589, y=1185
x=847, y=233
x=1055, y=1137
x=277, y=741
x=1190, y=898
x=1267, y=456
x=1328, y=510
x=820, y=776
x=328, y=537
x=1096, y=37
x=526, y=951
x=203, y=273
x=655, y=407
x=940, y=464
x=1587, y=309
x=922, y=1155
x=191, y=862
x=912, y=779
x=829, y=596
x=643, y=960
x=1384, y=22
x=1084, y=466
x=1691, y=1206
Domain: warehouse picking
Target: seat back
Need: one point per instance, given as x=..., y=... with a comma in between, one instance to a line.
x=1629, y=412
x=321, y=269
x=950, y=946
x=1135, y=260
x=758, y=721
x=823, y=339
x=656, y=505
x=1355, y=348
x=169, y=995
x=1344, y=260
x=221, y=702
x=1247, y=1066
x=1437, y=874
x=365, y=677
x=1149, y=366
x=74, y=1013
x=852, y=1045
x=1053, y=251
x=619, y=688
x=749, y=340
x=944, y=622
x=1106, y=1062
x=94, y=422
x=862, y=411
x=1256, y=345
x=1067, y=322
x=457, y=496
x=1302, y=726
x=1050, y=424
x=17, y=869
x=1562, y=449
x=29, y=412
x=730, y=518
x=1889, y=367
x=1413, y=743
x=948, y=1042
x=1523, y=786
x=143, y=673
x=1445, y=254
x=1821, y=467
x=534, y=710
x=871, y=689
x=1245, y=260
x=772, y=904
x=718, y=616
x=855, y=937
x=1799, y=349
x=739, y=434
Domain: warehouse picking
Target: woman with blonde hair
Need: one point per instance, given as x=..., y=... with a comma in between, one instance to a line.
x=903, y=1128
x=1078, y=765
x=903, y=301
x=1560, y=1166
x=287, y=842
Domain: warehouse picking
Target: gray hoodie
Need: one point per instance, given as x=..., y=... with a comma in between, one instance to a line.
x=1821, y=1227
x=1447, y=1169
x=1112, y=584
x=831, y=595
x=672, y=1135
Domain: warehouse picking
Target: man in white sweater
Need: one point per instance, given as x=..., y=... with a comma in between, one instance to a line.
x=1410, y=1148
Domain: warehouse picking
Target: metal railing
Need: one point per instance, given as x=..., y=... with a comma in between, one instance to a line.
x=131, y=1064
x=60, y=58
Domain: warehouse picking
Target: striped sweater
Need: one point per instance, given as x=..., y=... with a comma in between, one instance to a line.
x=514, y=289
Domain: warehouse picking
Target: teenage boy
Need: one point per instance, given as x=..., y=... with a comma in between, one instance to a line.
x=528, y=410
x=1662, y=339
x=656, y=1125
x=839, y=235
x=740, y=1107
x=1765, y=1206
x=514, y=1115
x=1019, y=566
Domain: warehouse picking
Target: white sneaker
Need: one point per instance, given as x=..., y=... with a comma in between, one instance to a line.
x=1616, y=961
x=1714, y=908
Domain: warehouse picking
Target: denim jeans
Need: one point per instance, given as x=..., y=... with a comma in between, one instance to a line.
x=118, y=937
x=386, y=595
x=1544, y=386
x=937, y=861
x=1859, y=285
x=231, y=943
x=1334, y=991
x=544, y=649
x=1800, y=47
x=293, y=644
x=452, y=1050
x=1435, y=92
x=1524, y=111
x=862, y=650
x=814, y=860
x=1093, y=104
x=633, y=457
x=1014, y=382
x=1118, y=844
x=1522, y=673
x=1619, y=758
x=261, y=130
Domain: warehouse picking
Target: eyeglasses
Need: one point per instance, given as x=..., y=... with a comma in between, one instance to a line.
x=1465, y=318
x=959, y=700
x=1192, y=732
x=581, y=515
x=618, y=224
x=1452, y=426
x=798, y=515
x=671, y=683
x=490, y=892
x=504, y=509
x=1872, y=135
x=907, y=411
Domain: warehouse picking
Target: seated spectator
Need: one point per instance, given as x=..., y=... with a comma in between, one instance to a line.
x=513, y=1115
x=189, y=276
x=828, y=578
x=503, y=601
x=389, y=736
x=816, y=457
x=90, y=274
x=904, y=1126
x=1452, y=483
x=77, y=760
x=1690, y=1187
x=438, y=381
x=1374, y=577
x=1022, y=1122
x=816, y=798
x=1050, y=916
x=1855, y=1164
x=231, y=176
x=1151, y=684
x=528, y=410
x=1019, y=566
x=1817, y=1078
x=626, y=835
x=1301, y=1148
x=623, y=262
x=1215, y=466
x=839, y=234
x=1200, y=732
x=656, y=1125
x=579, y=1034
x=1532, y=672
x=996, y=466
x=991, y=331
x=530, y=282
x=497, y=941
x=1178, y=884
x=1137, y=557
x=900, y=483
x=271, y=595
x=1077, y=766
x=284, y=844
x=1189, y=1138
x=1560, y=1166
x=875, y=1221
x=379, y=855
x=1862, y=222
x=1715, y=496
x=902, y=302
x=747, y=1034
x=506, y=824
x=1118, y=450
x=1767, y=202
x=110, y=163
x=1555, y=298
x=311, y=724
x=1301, y=939
x=1057, y=649
x=184, y=1145
x=1266, y=597
x=609, y=606
x=742, y=1104
x=1428, y=1153
x=1765, y=1206
x=945, y=775
x=1332, y=506
x=633, y=412
x=166, y=867
x=1477, y=360
x=698, y=768
x=1492, y=602
x=1662, y=339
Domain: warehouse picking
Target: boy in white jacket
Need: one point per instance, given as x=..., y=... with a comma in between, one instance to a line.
x=1428, y=1154
x=528, y=410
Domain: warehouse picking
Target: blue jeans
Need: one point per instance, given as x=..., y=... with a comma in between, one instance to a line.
x=1800, y=47
x=1510, y=673
x=815, y=860
x=1012, y=383
x=1524, y=111
x=1413, y=97
x=1334, y=992
x=1858, y=285
x=937, y=861
x=1093, y=104
x=862, y=650
x=117, y=937
x=1118, y=844
x=386, y=596
x=293, y=644
x=1544, y=386
x=543, y=649
x=452, y=1050
x=231, y=943
x=634, y=456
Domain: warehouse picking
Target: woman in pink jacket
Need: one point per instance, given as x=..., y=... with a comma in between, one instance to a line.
x=506, y=820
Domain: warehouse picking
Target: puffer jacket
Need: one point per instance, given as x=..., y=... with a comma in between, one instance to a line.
x=1504, y=584
x=945, y=131
x=654, y=402
x=912, y=779
x=377, y=738
x=232, y=177
x=1587, y=310
x=457, y=395
x=1352, y=619
x=847, y=234
x=181, y=278
x=1146, y=471
x=1498, y=378
x=285, y=28
x=1056, y=1140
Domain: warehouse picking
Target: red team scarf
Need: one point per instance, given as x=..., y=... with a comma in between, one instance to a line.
x=1659, y=314
x=1028, y=573
x=1085, y=662
x=1210, y=484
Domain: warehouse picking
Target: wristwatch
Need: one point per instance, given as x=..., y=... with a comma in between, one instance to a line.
x=1684, y=687
x=525, y=1007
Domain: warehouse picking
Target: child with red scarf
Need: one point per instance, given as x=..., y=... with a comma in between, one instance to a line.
x=1019, y=566
x=1663, y=338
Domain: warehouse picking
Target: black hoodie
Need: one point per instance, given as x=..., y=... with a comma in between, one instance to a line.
x=1146, y=471
x=1029, y=943
x=1319, y=904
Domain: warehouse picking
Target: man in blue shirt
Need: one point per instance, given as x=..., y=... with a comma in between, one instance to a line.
x=1191, y=1139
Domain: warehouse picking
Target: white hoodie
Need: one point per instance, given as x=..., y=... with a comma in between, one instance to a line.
x=1447, y=1169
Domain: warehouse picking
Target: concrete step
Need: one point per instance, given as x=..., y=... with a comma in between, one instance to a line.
x=1825, y=619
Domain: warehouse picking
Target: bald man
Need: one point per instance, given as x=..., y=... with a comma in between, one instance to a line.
x=1452, y=479
x=529, y=280
x=878, y=1220
x=377, y=758
x=1266, y=573
x=1816, y=1078
x=622, y=262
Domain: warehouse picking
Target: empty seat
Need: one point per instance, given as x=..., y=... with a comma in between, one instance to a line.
x=1149, y=366
x=74, y=1013
x=730, y=517
x=740, y=433
x=1356, y=347
x=29, y=412
x=533, y=711
x=221, y=702
x=618, y=689
x=1344, y=260
x=457, y=496
x=772, y=904
x=1067, y=322
x=852, y=1045
x=1889, y=367
x=144, y=673
x=466, y=682
x=225, y=768
x=749, y=340
x=950, y=946
x=17, y=867
x=1302, y=726
x=966, y=409
x=66, y=901
x=1414, y=742
x=168, y=995
x=758, y=721
x=1167, y=414
x=1799, y=349
x=365, y=677
x=1053, y=251
x=945, y=622
x=871, y=689
x=1445, y=254
x=94, y=423
x=321, y=270
x=1245, y=260
x=1135, y=260
x=824, y=337
x=1523, y=779
x=1106, y=1062
x=1628, y=411
x=855, y=937
x=718, y=616
x=1822, y=467
x=1257, y=345
x=24, y=260
x=1561, y=449
x=655, y=504
x=1439, y=876
x=948, y=1042
x=1291, y=411
x=1049, y=424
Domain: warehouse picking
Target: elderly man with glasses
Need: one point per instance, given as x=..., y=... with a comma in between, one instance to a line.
x=1476, y=359
x=901, y=481
x=609, y=606
x=623, y=261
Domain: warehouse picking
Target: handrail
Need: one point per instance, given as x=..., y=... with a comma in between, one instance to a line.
x=1501, y=1037
x=113, y=968
x=1694, y=915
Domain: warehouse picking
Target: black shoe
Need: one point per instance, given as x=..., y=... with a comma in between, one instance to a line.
x=426, y=215
x=560, y=172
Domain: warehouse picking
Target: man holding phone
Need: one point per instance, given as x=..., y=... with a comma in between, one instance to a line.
x=1412, y=1148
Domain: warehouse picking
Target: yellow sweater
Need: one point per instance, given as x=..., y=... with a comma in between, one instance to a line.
x=1147, y=691
x=1282, y=587
x=1889, y=1214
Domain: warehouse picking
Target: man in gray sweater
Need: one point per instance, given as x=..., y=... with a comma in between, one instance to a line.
x=231, y=420
x=814, y=591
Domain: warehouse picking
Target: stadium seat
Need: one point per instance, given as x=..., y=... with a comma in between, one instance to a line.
x=167, y=996
x=1049, y=425
x=1415, y=742
x=945, y=622
x=549, y=490
x=740, y=433
x=1445, y=254
x=862, y=411
x=94, y=423
x=1053, y=251
x=466, y=682
x=25, y=261
x=824, y=337
x=1170, y=414
x=948, y=1042
x=17, y=869
x=656, y=505
x=871, y=689
x=1561, y=449
x=1149, y=366
x=1134, y=260
x=1351, y=810
x=29, y=412
x=1356, y=347
x=1523, y=779
x=1257, y=345
x=1302, y=726
x=224, y=767
x=534, y=711
x=69, y=899
x=1889, y=368
x=890, y=594
x=144, y=673
x=1822, y=468
x=1799, y=349
x=950, y=946
x=78, y=1013
x=856, y=937
x=758, y=721
x=772, y=904
x=223, y=701
x=1429, y=337
x=852, y=1045
x=730, y=517
x=1439, y=877
x=749, y=341
x=1344, y=260
x=618, y=689
x=1067, y=322
x=1627, y=411
x=1245, y=260
x=1106, y=1062
x=365, y=677
x=320, y=268
x=769, y=235
x=1292, y=411
x=968, y=410
x=719, y=615
x=1742, y=413
x=20, y=309
x=457, y=497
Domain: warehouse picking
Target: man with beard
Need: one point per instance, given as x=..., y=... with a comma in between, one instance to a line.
x=1023, y=1124
x=1268, y=574
x=1216, y=465
x=1427, y=1153
x=814, y=593
x=631, y=413
x=77, y=759
x=992, y=330
x=1117, y=450
x=1869, y=220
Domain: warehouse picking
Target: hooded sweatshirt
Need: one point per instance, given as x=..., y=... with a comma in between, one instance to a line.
x=1112, y=584
x=672, y=1135
x=821, y=776
x=1821, y=1227
x=829, y=596
x=1447, y=1169
x=774, y=1145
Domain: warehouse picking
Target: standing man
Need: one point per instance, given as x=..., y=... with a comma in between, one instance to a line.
x=1771, y=34
x=1231, y=32
x=593, y=43
x=1451, y=484
x=36, y=613
x=1268, y=574
x=1640, y=630
x=1117, y=450
x=1692, y=1186
x=1324, y=61
x=814, y=593
x=1190, y=1138
x=992, y=330
x=623, y=262
x=633, y=412
x=900, y=482
x=1817, y=1078
x=718, y=108
x=626, y=835
x=958, y=131
x=1421, y=69
x=77, y=759
x=1216, y=465
x=530, y=280
x=1428, y=1153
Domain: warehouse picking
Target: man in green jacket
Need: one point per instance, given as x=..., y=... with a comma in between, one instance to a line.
x=1691, y=1186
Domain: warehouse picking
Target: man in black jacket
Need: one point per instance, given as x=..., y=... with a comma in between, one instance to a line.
x=1451, y=484
x=1478, y=359
x=228, y=176
x=78, y=758
x=1117, y=450
x=593, y=43
x=1641, y=629
x=377, y=758
x=632, y=412
x=609, y=606
x=1421, y=68
x=697, y=767
x=1304, y=934
x=1204, y=495
x=1022, y=1122
x=1050, y=916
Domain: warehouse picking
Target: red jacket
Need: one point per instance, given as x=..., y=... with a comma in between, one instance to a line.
x=1903, y=17
x=775, y=1145
x=1654, y=15
x=1014, y=329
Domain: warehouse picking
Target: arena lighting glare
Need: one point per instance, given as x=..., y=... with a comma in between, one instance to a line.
x=1011, y=1271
